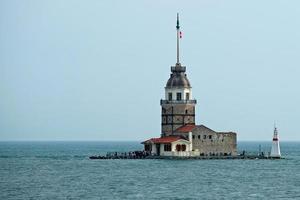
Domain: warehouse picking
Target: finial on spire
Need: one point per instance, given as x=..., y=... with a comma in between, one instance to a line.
x=177, y=26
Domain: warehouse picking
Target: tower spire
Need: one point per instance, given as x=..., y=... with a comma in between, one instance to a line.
x=178, y=35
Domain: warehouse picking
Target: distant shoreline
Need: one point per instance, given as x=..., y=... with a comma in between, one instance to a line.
x=250, y=141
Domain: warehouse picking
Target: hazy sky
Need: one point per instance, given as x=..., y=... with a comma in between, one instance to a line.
x=96, y=70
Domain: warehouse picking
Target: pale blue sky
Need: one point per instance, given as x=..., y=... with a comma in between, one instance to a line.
x=96, y=70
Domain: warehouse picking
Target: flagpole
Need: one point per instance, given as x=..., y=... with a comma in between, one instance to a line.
x=177, y=28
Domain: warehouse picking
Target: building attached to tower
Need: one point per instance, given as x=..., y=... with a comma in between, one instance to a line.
x=180, y=136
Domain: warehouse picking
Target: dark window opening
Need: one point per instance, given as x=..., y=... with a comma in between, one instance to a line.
x=167, y=147
x=193, y=136
x=209, y=137
x=199, y=137
x=180, y=147
x=186, y=111
x=178, y=96
x=170, y=96
x=148, y=147
x=187, y=96
x=183, y=147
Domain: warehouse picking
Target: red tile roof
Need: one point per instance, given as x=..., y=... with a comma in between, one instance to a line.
x=185, y=129
x=162, y=140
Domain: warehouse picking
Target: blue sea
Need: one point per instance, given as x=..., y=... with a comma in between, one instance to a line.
x=62, y=170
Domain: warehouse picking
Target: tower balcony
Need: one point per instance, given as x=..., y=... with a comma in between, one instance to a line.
x=192, y=101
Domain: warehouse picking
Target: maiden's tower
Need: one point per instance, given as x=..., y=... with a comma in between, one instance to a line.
x=180, y=136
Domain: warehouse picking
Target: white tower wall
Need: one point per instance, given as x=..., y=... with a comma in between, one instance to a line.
x=275, y=150
x=174, y=92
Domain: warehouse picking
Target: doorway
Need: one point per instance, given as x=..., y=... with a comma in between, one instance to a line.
x=158, y=149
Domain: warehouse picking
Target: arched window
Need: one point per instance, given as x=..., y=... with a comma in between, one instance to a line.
x=180, y=147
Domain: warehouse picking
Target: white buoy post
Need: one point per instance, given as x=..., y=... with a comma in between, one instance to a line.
x=275, y=150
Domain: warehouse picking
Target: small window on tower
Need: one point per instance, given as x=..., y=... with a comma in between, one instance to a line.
x=170, y=96
x=187, y=96
x=178, y=97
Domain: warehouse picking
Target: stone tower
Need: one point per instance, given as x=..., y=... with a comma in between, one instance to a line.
x=178, y=107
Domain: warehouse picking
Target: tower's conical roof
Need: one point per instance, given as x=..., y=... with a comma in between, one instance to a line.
x=178, y=78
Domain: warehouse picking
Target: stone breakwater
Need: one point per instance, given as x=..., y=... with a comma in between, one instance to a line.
x=146, y=155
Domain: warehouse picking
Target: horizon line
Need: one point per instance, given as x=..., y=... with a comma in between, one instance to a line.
x=125, y=140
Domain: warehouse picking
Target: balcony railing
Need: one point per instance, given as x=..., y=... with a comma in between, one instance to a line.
x=193, y=101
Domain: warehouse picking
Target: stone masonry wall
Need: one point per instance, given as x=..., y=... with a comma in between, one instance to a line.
x=180, y=115
x=209, y=142
x=220, y=144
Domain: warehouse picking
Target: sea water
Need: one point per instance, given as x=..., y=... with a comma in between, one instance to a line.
x=62, y=170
